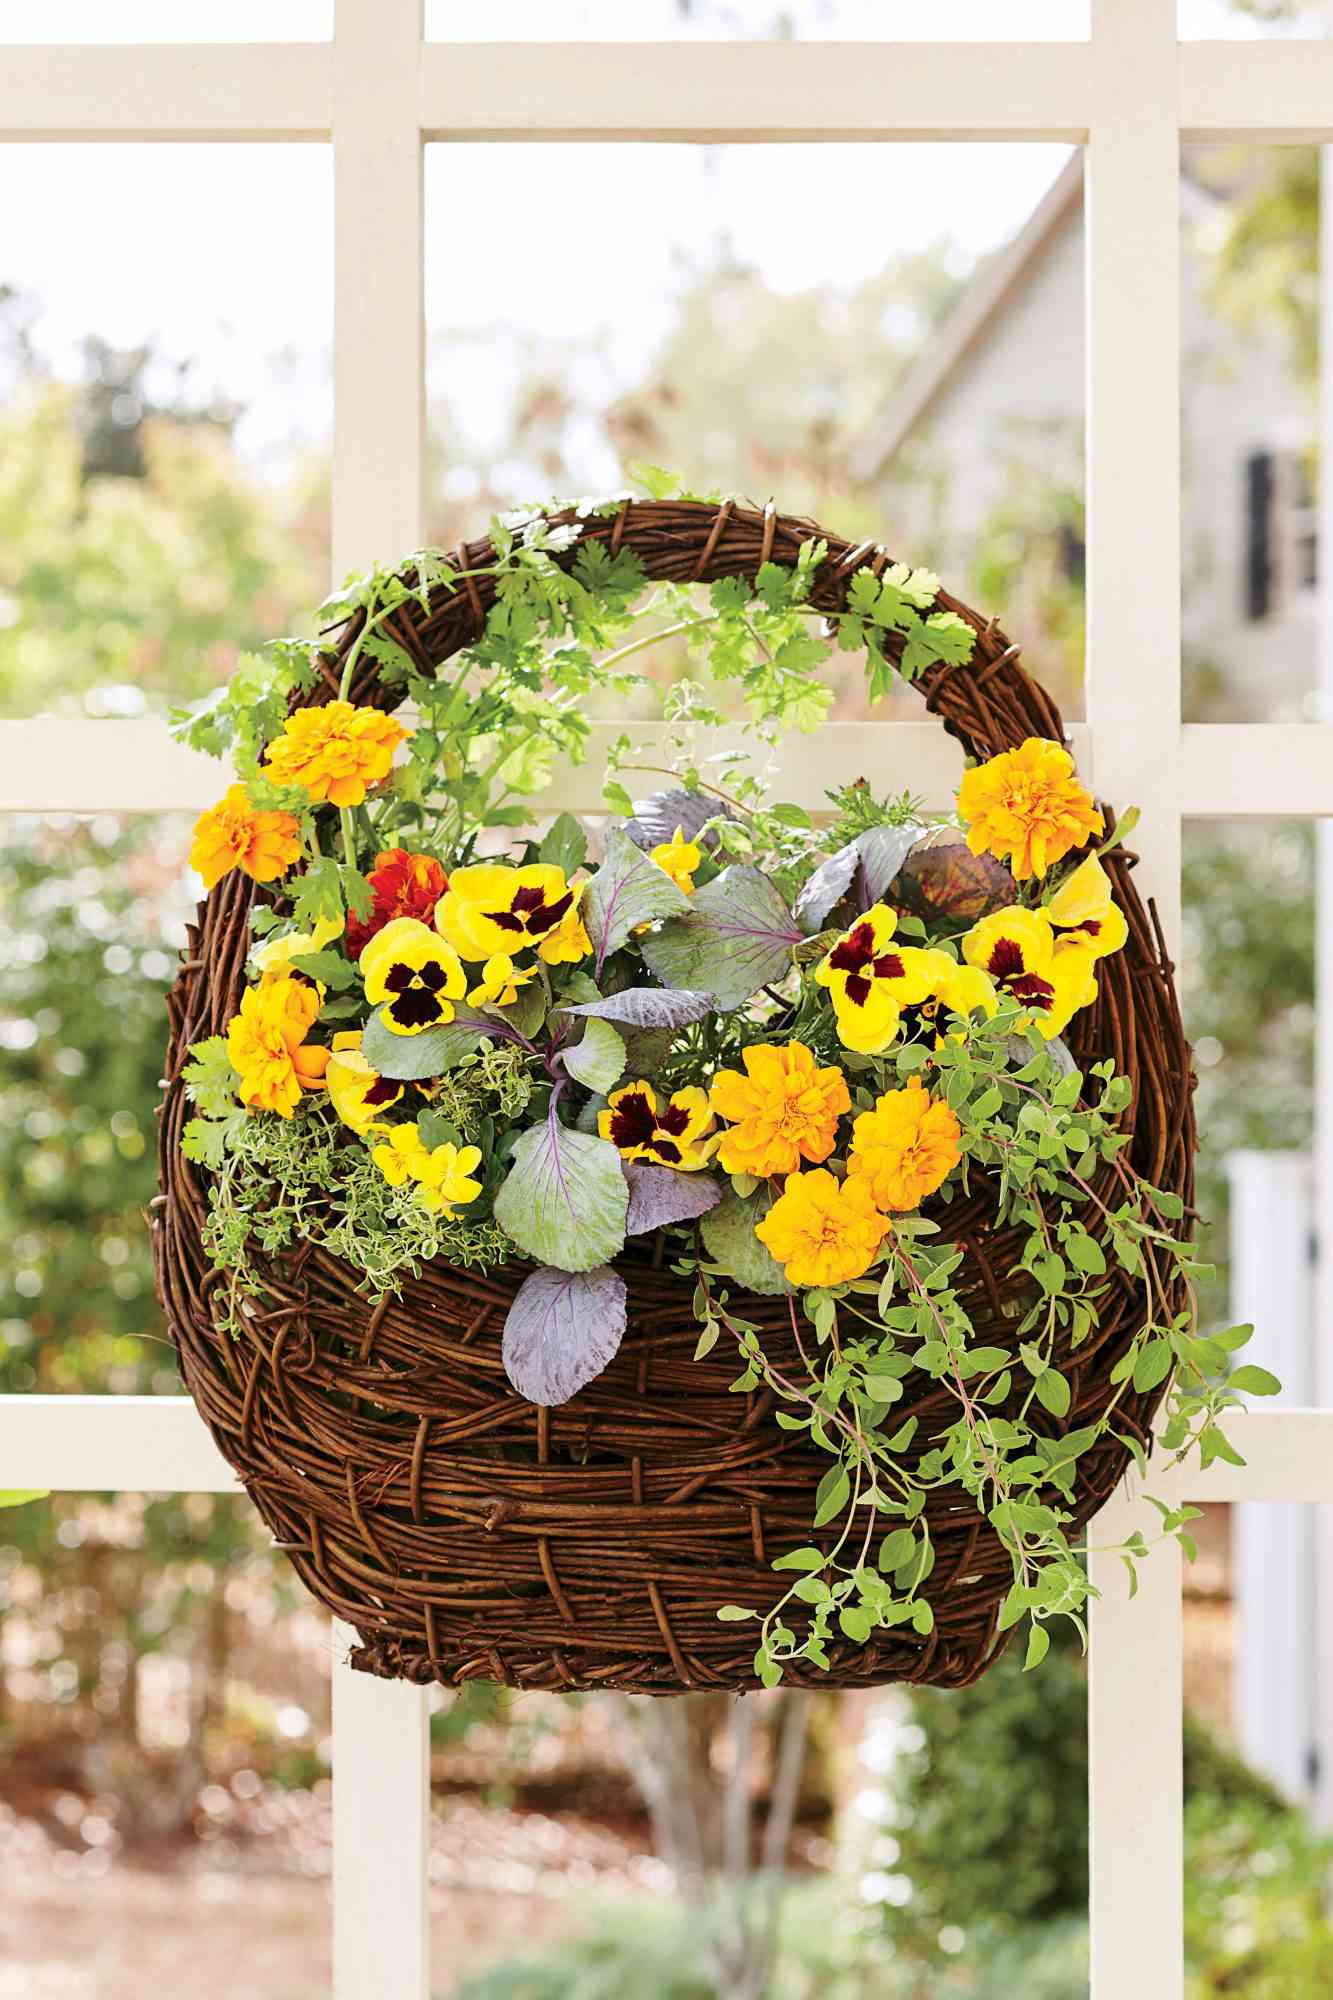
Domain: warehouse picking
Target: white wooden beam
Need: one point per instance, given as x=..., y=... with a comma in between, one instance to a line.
x=381, y=1748
x=109, y=1444
x=739, y=92
x=1256, y=93
x=281, y=90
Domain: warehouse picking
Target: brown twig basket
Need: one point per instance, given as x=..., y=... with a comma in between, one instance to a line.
x=469, y=1534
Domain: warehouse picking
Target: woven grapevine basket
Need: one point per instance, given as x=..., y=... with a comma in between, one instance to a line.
x=468, y=1534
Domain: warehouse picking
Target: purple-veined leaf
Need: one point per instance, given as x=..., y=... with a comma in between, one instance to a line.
x=645, y=1007
x=942, y=880
x=658, y=1195
x=628, y=889
x=434, y=1050
x=564, y=1201
x=826, y=889
x=881, y=851
x=561, y=1331
x=656, y=818
x=597, y=1059
x=736, y=936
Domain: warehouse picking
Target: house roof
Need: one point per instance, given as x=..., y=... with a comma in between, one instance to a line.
x=970, y=322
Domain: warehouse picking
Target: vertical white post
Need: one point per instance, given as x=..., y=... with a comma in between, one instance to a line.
x=381, y=1766
x=1273, y=1545
x=1322, y=1353
x=1133, y=438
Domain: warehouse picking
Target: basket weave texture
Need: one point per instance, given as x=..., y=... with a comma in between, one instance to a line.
x=468, y=1534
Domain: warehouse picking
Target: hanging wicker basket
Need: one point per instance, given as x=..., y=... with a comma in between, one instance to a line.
x=468, y=1534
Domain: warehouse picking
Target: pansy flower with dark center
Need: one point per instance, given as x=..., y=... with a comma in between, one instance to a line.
x=1017, y=948
x=413, y=975
x=677, y=1134
x=871, y=979
x=494, y=911
x=1085, y=910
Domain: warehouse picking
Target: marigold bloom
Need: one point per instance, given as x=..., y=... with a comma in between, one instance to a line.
x=443, y=1174
x=267, y=1046
x=235, y=834
x=1017, y=948
x=871, y=980
x=679, y=1134
x=492, y=910
x=404, y=885
x=905, y=1148
x=1027, y=807
x=822, y=1231
x=679, y=858
x=783, y=1110
x=335, y=752
x=414, y=974
x=357, y=1092
x=1085, y=908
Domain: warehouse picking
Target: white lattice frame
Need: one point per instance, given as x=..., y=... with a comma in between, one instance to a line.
x=1130, y=95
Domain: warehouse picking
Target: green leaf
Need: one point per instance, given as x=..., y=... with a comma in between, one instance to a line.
x=856, y=1624
x=654, y=479
x=738, y=936
x=1039, y=1644
x=831, y=1495
x=729, y=1238
x=1251, y=1380
x=628, y=889
x=210, y=1078
x=732, y=1614
x=808, y=1559
x=598, y=1060
x=564, y=1201
x=564, y=844
x=1152, y=1365
x=896, y=1549
x=19, y=1496
x=406, y=1058
x=1052, y=1392
x=328, y=968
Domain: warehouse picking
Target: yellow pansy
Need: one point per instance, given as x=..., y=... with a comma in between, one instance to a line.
x=491, y=910
x=871, y=979
x=679, y=858
x=414, y=974
x=277, y=953
x=1017, y=948
x=443, y=1174
x=678, y=1135
x=357, y=1092
x=500, y=982
x=1085, y=908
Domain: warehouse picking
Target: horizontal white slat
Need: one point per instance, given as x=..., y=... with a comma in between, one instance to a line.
x=697, y=91
x=105, y=1444
x=158, y=1444
x=746, y=91
x=1228, y=770
x=277, y=91
x=1256, y=93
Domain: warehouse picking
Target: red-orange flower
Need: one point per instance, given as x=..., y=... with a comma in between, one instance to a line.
x=405, y=885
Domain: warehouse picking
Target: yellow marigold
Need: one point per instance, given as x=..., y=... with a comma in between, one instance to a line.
x=443, y=1174
x=871, y=979
x=235, y=834
x=679, y=1134
x=492, y=910
x=1027, y=807
x=335, y=752
x=822, y=1231
x=1017, y=948
x=905, y=1148
x=1085, y=908
x=357, y=1092
x=783, y=1110
x=267, y=1046
x=679, y=858
x=413, y=974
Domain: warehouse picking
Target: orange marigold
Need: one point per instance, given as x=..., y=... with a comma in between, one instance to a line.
x=234, y=834
x=905, y=1148
x=404, y=885
x=1027, y=807
x=782, y=1111
x=822, y=1231
x=267, y=1044
x=336, y=752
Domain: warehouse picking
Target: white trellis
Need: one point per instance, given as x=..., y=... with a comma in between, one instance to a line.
x=1130, y=95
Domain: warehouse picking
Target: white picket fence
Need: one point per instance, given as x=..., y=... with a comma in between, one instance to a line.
x=1129, y=96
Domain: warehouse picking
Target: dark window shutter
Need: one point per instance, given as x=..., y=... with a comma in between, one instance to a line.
x=1259, y=534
